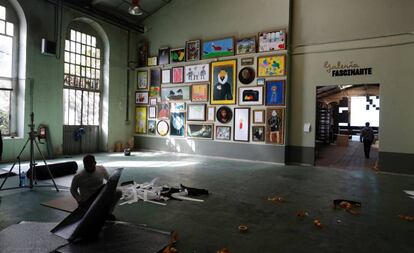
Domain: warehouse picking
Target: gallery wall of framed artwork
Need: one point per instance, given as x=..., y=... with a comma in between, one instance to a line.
x=191, y=91
x=223, y=82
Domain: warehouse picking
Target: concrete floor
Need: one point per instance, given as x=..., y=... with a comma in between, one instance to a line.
x=239, y=192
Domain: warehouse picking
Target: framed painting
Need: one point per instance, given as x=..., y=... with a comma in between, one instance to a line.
x=163, y=110
x=152, y=112
x=247, y=75
x=162, y=128
x=272, y=41
x=141, y=119
x=218, y=48
x=155, y=82
x=177, y=124
x=141, y=97
x=166, y=76
x=275, y=124
x=197, y=73
x=192, y=50
x=175, y=93
x=223, y=76
x=199, y=92
x=268, y=66
x=177, y=107
x=258, y=116
x=196, y=112
x=241, y=124
x=260, y=81
x=251, y=95
x=258, y=133
x=211, y=113
x=224, y=114
x=142, y=80
x=177, y=55
x=202, y=131
x=142, y=53
x=153, y=101
x=223, y=133
x=177, y=75
x=246, y=45
x=163, y=56
x=275, y=92
x=152, y=125
x=152, y=61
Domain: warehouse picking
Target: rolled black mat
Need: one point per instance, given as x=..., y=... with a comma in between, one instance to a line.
x=57, y=170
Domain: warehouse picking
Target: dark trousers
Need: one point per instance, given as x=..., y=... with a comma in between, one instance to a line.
x=367, y=148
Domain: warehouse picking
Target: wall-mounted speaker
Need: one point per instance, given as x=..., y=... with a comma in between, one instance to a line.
x=48, y=47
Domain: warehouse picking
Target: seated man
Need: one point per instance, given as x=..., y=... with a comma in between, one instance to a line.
x=88, y=181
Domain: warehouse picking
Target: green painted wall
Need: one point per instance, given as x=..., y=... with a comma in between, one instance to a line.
x=46, y=73
x=370, y=33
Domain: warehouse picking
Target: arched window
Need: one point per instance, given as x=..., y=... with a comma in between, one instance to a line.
x=82, y=80
x=8, y=69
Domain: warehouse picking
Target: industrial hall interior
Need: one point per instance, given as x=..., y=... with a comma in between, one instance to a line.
x=206, y=126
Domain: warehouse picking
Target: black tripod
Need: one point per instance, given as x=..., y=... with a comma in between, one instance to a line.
x=32, y=141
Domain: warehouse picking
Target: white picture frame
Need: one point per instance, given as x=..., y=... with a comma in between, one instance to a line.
x=211, y=113
x=196, y=112
x=165, y=76
x=152, y=112
x=197, y=73
x=252, y=95
x=241, y=124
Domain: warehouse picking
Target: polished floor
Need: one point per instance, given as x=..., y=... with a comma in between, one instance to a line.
x=239, y=195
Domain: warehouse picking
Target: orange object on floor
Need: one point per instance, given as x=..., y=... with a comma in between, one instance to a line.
x=223, y=250
x=406, y=217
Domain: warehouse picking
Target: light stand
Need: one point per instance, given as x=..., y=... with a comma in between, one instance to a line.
x=32, y=164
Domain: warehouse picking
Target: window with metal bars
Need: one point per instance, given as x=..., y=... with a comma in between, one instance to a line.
x=82, y=79
x=7, y=69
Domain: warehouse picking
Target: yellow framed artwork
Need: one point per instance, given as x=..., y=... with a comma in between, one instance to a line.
x=141, y=119
x=223, y=79
x=274, y=65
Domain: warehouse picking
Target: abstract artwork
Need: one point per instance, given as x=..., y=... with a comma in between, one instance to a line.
x=241, y=124
x=199, y=92
x=177, y=55
x=251, y=95
x=268, y=66
x=163, y=55
x=177, y=75
x=141, y=119
x=223, y=133
x=177, y=124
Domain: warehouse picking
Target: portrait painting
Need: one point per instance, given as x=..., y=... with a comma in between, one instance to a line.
x=224, y=114
x=223, y=76
x=275, y=121
x=275, y=92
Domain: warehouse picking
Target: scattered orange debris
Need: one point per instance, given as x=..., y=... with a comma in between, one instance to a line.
x=223, y=250
x=243, y=228
x=406, y=217
x=170, y=248
x=275, y=199
x=348, y=206
x=302, y=214
x=317, y=223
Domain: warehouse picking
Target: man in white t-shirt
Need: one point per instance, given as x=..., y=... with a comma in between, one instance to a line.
x=89, y=180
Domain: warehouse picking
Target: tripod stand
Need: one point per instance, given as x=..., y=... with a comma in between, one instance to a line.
x=32, y=165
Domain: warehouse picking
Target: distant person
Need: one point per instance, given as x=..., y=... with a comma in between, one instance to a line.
x=367, y=137
x=1, y=146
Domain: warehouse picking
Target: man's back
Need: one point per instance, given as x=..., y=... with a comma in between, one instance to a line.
x=88, y=183
x=367, y=134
